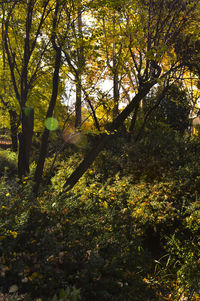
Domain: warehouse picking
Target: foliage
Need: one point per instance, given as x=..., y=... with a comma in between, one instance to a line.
x=8, y=164
x=174, y=109
x=112, y=237
x=68, y=294
x=129, y=230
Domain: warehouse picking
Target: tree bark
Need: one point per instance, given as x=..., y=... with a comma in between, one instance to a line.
x=134, y=118
x=93, y=153
x=25, y=141
x=133, y=121
x=80, y=64
x=78, y=117
x=14, y=128
x=115, y=89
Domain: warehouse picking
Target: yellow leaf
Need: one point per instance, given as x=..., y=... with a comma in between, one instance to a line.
x=105, y=204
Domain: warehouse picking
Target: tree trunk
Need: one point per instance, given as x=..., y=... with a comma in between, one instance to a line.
x=45, y=136
x=133, y=121
x=14, y=128
x=96, y=123
x=93, y=153
x=115, y=90
x=134, y=117
x=25, y=141
x=80, y=64
x=78, y=118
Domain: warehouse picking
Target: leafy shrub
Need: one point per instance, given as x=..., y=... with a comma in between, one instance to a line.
x=8, y=162
x=69, y=294
x=113, y=239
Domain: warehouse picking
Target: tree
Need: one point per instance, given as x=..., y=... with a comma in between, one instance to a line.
x=52, y=103
x=154, y=27
x=62, y=26
x=73, y=50
x=113, y=46
x=48, y=38
x=7, y=98
x=22, y=24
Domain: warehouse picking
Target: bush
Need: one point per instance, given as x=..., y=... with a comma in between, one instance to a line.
x=114, y=237
x=8, y=162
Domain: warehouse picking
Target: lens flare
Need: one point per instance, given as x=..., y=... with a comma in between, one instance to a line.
x=51, y=124
x=27, y=111
x=73, y=136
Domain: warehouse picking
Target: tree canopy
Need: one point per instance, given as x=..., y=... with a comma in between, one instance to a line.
x=48, y=46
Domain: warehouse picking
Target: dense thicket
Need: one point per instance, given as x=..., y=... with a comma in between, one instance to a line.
x=129, y=230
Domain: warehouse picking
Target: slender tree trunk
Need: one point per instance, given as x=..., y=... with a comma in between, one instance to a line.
x=93, y=153
x=78, y=118
x=14, y=128
x=115, y=71
x=115, y=90
x=45, y=136
x=93, y=112
x=80, y=64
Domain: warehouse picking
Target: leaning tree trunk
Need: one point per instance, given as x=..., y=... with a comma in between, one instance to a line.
x=45, y=136
x=133, y=121
x=93, y=153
